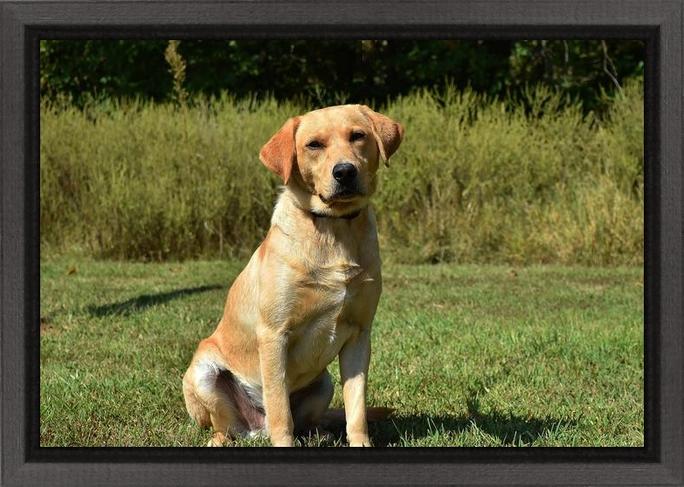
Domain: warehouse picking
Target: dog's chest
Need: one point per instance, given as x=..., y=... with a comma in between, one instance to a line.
x=333, y=298
x=335, y=305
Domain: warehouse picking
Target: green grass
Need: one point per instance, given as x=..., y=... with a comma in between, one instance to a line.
x=475, y=180
x=468, y=355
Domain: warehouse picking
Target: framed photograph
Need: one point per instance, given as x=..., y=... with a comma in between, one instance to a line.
x=529, y=222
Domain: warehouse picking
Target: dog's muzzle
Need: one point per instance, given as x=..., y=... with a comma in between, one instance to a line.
x=345, y=173
x=346, y=185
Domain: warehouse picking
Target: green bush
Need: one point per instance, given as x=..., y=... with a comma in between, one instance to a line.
x=476, y=180
x=331, y=71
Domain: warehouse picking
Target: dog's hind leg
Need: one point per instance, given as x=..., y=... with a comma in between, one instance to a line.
x=310, y=403
x=208, y=396
x=195, y=408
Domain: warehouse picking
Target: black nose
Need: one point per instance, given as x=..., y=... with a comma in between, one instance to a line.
x=344, y=172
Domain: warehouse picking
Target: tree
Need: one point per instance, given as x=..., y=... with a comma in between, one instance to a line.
x=334, y=71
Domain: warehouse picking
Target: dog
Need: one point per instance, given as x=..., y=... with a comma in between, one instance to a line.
x=309, y=292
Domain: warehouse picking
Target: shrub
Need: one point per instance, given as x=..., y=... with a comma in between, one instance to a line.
x=477, y=180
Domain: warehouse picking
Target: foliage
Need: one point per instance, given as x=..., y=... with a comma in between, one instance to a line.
x=82, y=70
x=526, y=183
x=177, y=67
x=476, y=180
x=581, y=69
x=334, y=71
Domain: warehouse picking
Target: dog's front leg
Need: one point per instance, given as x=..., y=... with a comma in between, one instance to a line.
x=273, y=362
x=354, y=360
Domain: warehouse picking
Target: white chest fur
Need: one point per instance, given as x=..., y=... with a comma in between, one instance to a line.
x=330, y=320
x=331, y=289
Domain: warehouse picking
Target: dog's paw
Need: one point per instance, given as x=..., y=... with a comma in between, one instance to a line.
x=283, y=443
x=361, y=444
x=217, y=440
x=360, y=441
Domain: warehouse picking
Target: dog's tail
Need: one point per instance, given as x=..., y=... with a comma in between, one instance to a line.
x=336, y=417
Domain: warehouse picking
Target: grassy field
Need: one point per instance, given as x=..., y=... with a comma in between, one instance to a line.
x=468, y=355
x=475, y=180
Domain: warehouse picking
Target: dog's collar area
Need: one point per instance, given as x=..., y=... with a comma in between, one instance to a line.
x=348, y=216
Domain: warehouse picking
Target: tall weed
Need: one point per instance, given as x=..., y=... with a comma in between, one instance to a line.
x=476, y=179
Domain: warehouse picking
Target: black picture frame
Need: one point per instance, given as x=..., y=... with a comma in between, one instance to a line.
x=658, y=23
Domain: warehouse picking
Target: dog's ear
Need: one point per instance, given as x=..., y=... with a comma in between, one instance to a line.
x=279, y=153
x=387, y=132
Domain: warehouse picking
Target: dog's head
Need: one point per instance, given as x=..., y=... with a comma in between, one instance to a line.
x=329, y=157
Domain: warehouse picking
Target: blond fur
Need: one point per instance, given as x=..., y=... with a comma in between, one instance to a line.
x=309, y=292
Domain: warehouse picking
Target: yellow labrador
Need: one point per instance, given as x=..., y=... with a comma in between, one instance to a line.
x=309, y=292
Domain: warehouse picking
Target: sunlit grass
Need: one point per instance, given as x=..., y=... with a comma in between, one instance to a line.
x=468, y=355
x=475, y=180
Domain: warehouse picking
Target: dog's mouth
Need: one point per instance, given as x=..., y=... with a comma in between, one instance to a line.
x=344, y=196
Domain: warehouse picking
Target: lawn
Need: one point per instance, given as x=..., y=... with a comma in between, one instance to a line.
x=468, y=355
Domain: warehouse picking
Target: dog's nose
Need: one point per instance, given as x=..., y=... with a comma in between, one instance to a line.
x=344, y=172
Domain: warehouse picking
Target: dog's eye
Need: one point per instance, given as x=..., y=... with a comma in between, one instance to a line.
x=314, y=144
x=356, y=135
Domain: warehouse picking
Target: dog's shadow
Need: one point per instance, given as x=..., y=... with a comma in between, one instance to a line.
x=507, y=430
x=430, y=430
x=139, y=303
